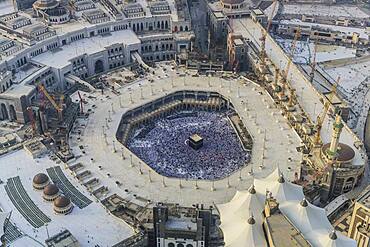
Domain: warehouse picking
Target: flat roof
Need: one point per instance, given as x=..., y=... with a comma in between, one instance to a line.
x=333, y=11
x=196, y=137
x=85, y=46
x=363, y=33
x=283, y=233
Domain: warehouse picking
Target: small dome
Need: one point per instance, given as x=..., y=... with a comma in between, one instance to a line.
x=252, y=190
x=333, y=235
x=51, y=190
x=40, y=178
x=251, y=220
x=304, y=203
x=45, y=4
x=281, y=179
x=62, y=202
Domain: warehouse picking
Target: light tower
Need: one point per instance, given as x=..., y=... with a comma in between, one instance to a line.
x=337, y=130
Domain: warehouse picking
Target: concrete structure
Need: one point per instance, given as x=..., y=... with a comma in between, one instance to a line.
x=103, y=42
x=62, y=239
x=359, y=228
x=353, y=168
x=181, y=227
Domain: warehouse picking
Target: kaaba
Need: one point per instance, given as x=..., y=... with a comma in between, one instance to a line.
x=195, y=141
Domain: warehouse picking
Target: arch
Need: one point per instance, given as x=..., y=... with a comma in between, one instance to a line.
x=4, y=112
x=166, y=24
x=186, y=28
x=175, y=28
x=348, y=185
x=171, y=245
x=181, y=29
x=99, y=66
x=180, y=245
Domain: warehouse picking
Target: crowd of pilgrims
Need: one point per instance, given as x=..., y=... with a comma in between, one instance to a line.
x=163, y=145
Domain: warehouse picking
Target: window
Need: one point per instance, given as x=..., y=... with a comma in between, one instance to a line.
x=189, y=245
x=171, y=245
x=180, y=245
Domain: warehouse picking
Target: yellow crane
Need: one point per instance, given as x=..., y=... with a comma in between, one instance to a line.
x=284, y=76
x=321, y=117
x=313, y=63
x=57, y=107
x=264, y=35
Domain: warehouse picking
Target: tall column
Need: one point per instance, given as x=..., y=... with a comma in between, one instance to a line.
x=337, y=130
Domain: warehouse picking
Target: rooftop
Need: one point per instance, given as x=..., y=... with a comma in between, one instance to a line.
x=85, y=46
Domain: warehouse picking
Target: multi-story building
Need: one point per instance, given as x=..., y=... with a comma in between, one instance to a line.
x=91, y=40
x=359, y=228
x=181, y=227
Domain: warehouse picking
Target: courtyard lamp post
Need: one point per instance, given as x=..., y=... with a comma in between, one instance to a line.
x=131, y=101
x=123, y=153
x=114, y=146
x=105, y=138
x=250, y=173
x=140, y=171
x=141, y=93
x=196, y=185
x=131, y=163
x=150, y=177
x=111, y=104
x=151, y=89
x=213, y=186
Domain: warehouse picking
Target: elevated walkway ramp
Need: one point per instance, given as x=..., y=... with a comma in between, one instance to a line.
x=73, y=79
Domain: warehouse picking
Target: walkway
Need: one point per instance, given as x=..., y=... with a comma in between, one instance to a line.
x=24, y=204
x=56, y=174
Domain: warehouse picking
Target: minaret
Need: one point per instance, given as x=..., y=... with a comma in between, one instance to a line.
x=337, y=130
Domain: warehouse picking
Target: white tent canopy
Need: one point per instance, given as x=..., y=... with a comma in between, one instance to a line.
x=308, y=219
x=236, y=218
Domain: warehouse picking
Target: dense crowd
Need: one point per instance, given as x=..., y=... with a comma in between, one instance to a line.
x=163, y=145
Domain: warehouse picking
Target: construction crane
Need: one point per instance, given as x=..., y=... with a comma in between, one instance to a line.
x=284, y=76
x=32, y=120
x=57, y=107
x=81, y=102
x=263, y=37
x=321, y=117
x=313, y=63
